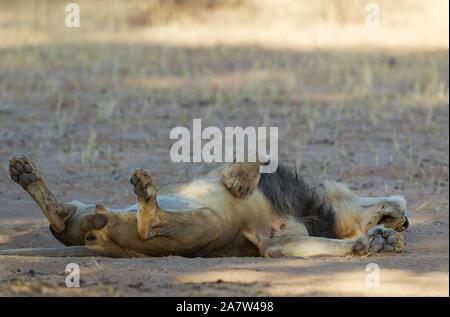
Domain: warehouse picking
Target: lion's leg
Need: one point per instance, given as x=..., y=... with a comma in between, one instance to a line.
x=25, y=173
x=187, y=232
x=68, y=222
x=377, y=239
x=147, y=211
x=356, y=215
x=241, y=178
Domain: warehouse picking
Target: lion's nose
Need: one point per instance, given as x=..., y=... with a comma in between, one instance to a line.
x=406, y=223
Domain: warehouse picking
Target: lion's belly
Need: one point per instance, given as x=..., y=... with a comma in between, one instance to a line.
x=169, y=202
x=176, y=202
x=189, y=196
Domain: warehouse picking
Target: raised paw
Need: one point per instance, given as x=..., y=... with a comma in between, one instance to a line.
x=241, y=178
x=23, y=171
x=380, y=239
x=143, y=185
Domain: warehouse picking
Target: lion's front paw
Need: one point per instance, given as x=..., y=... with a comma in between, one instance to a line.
x=143, y=185
x=380, y=239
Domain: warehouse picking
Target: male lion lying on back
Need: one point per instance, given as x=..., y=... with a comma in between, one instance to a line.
x=233, y=211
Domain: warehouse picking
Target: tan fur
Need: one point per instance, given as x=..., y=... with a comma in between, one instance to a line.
x=355, y=215
x=221, y=214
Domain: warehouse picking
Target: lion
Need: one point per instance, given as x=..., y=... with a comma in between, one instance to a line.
x=233, y=211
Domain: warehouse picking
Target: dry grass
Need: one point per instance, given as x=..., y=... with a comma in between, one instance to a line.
x=85, y=95
x=98, y=97
x=404, y=24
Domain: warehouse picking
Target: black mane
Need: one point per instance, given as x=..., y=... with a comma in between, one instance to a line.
x=291, y=196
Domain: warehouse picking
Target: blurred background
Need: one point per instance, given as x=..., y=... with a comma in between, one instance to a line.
x=358, y=89
x=337, y=76
x=350, y=83
x=334, y=24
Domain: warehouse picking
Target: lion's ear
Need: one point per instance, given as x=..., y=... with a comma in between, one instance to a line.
x=94, y=222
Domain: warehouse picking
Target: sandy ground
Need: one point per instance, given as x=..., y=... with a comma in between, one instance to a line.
x=422, y=271
x=89, y=113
